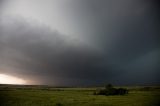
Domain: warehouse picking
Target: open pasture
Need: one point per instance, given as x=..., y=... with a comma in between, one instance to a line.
x=11, y=95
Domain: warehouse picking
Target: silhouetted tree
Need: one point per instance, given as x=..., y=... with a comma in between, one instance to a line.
x=110, y=90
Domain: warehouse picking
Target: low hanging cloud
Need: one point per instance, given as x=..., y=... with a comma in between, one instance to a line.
x=119, y=44
x=48, y=57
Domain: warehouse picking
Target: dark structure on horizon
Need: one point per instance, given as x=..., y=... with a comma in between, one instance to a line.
x=110, y=90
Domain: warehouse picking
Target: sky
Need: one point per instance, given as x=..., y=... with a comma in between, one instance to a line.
x=80, y=42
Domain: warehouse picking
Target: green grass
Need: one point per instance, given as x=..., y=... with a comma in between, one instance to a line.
x=48, y=96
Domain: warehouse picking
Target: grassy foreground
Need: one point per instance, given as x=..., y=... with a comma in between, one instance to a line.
x=48, y=96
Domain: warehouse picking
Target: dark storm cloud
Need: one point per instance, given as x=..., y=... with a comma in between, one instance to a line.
x=125, y=29
x=46, y=56
x=122, y=48
x=110, y=21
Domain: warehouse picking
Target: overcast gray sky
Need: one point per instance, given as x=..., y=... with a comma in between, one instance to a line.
x=80, y=42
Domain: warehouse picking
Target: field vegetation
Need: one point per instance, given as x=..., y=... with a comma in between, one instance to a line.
x=12, y=95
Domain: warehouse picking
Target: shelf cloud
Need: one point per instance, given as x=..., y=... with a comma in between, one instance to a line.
x=83, y=42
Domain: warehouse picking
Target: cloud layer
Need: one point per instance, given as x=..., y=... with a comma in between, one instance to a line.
x=119, y=43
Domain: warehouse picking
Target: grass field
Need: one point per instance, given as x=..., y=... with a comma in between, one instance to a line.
x=48, y=96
